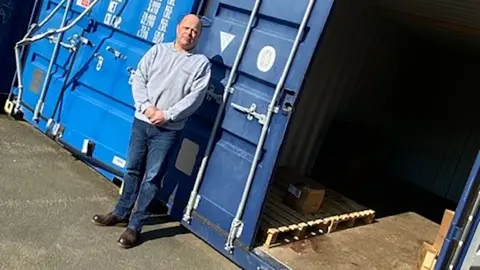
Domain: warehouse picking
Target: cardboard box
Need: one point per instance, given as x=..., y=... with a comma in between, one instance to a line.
x=427, y=257
x=304, y=198
x=444, y=226
x=303, y=194
x=429, y=253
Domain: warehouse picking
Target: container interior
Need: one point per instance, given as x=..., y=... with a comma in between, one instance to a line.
x=388, y=109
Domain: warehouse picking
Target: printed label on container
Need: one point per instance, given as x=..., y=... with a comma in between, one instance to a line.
x=225, y=39
x=266, y=58
x=295, y=191
x=111, y=17
x=83, y=3
x=119, y=162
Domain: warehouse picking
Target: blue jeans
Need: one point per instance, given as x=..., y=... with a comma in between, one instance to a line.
x=147, y=158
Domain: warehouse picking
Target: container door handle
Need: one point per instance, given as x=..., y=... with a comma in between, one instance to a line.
x=251, y=112
x=118, y=54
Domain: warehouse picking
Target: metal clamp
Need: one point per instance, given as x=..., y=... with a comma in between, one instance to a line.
x=99, y=65
x=75, y=39
x=55, y=39
x=71, y=47
x=118, y=54
x=251, y=112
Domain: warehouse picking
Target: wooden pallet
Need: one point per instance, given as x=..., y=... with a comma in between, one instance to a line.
x=282, y=224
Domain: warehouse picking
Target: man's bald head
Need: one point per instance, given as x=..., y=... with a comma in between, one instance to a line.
x=188, y=32
x=192, y=19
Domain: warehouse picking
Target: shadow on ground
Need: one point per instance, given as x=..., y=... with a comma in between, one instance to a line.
x=47, y=199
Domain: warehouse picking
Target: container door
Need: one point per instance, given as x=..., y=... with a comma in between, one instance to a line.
x=270, y=69
x=461, y=248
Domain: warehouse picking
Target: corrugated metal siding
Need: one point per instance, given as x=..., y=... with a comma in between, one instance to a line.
x=362, y=58
x=455, y=21
x=352, y=45
x=464, y=12
x=435, y=142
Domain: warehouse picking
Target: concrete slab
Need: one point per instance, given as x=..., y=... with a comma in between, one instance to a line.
x=47, y=199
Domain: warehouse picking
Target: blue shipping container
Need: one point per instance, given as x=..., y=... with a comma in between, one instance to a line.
x=76, y=89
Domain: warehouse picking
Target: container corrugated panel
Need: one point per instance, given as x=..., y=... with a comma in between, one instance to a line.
x=366, y=73
x=14, y=19
x=465, y=12
x=353, y=46
x=37, y=60
x=89, y=97
x=100, y=107
x=456, y=20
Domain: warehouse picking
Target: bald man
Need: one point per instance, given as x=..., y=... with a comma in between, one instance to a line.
x=169, y=85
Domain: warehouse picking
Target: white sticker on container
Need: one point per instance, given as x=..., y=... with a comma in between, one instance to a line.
x=225, y=40
x=112, y=7
x=83, y=3
x=295, y=191
x=85, y=146
x=119, y=162
x=266, y=58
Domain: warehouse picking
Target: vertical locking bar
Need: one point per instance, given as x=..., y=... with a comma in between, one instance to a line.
x=461, y=224
x=28, y=40
x=19, y=54
x=48, y=76
x=188, y=212
x=237, y=222
x=18, y=101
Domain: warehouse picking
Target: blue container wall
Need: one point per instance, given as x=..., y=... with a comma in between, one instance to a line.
x=37, y=60
x=89, y=94
x=100, y=107
x=14, y=19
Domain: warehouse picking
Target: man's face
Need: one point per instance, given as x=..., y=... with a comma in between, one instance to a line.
x=188, y=32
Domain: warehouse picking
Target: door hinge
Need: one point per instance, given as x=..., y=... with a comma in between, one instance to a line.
x=251, y=112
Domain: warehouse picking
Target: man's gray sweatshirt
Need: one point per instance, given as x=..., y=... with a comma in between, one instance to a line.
x=174, y=82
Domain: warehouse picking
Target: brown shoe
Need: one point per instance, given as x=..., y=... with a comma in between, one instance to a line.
x=128, y=238
x=109, y=220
